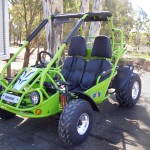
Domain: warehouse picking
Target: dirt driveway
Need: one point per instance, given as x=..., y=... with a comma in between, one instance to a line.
x=114, y=128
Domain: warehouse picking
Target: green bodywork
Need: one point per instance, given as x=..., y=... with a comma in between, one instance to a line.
x=50, y=103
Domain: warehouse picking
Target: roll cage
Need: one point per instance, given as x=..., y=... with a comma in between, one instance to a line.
x=49, y=71
x=83, y=17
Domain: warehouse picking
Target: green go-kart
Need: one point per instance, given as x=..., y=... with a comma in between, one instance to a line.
x=73, y=89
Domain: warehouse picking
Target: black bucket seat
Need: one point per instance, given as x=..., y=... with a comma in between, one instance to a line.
x=99, y=65
x=74, y=65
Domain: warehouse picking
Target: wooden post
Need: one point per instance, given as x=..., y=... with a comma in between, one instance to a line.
x=9, y=67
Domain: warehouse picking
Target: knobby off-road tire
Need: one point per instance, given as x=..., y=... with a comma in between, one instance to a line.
x=6, y=115
x=75, y=122
x=130, y=94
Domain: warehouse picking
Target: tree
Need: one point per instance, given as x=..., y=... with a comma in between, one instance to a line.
x=95, y=26
x=147, y=32
x=71, y=6
x=26, y=15
x=84, y=8
x=48, y=28
x=140, y=29
x=54, y=32
x=123, y=15
x=142, y=18
x=143, y=26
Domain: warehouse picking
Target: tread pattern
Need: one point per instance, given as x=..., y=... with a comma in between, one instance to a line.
x=123, y=96
x=66, y=118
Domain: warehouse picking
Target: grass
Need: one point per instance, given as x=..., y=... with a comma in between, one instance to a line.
x=137, y=55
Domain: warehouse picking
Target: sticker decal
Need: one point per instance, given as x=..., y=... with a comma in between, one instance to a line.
x=96, y=94
x=24, y=78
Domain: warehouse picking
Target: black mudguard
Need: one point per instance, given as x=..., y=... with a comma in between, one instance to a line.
x=124, y=72
x=89, y=99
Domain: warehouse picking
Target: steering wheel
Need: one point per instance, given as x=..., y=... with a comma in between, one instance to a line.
x=45, y=57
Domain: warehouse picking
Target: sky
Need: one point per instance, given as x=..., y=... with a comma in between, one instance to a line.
x=145, y=4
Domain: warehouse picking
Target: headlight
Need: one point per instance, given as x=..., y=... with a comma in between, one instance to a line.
x=34, y=98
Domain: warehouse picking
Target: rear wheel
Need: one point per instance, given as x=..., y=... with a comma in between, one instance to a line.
x=75, y=122
x=130, y=94
x=6, y=115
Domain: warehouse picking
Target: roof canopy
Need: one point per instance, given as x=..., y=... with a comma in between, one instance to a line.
x=101, y=16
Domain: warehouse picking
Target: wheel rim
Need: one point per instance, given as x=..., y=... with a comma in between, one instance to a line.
x=83, y=124
x=135, y=90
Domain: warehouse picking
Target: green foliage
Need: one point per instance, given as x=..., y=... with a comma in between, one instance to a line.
x=71, y=6
x=143, y=26
x=141, y=20
x=25, y=16
x=123, y=15
x=140, y=35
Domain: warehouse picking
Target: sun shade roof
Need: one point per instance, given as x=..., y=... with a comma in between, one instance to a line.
x=101, y=16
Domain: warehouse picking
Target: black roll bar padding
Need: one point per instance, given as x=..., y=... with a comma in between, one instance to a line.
x=73, y=31
x=99, y=16
x=37, y=30
x=68, y=16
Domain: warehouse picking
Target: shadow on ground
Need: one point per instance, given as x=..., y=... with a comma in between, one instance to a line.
x=114, y=128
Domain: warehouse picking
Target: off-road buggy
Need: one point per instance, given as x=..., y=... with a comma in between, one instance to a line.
x=73, y=89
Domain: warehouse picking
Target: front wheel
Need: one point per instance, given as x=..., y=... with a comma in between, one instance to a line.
x=75, y=122
x=130, y=94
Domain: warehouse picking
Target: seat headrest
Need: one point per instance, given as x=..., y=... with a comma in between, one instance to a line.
x=102, y=47
x=77, y=46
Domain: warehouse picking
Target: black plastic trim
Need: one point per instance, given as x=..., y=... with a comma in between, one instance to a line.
x=87, y=98
x=124, y=73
